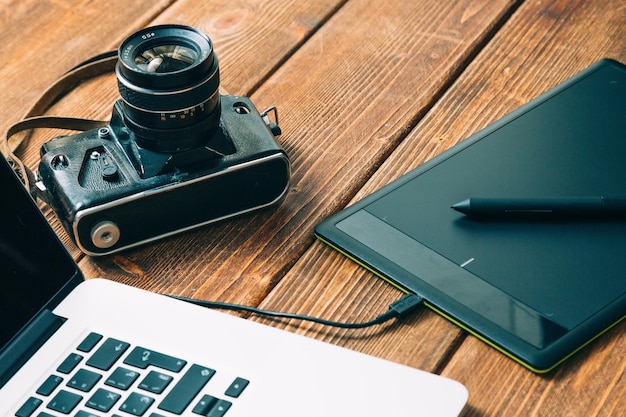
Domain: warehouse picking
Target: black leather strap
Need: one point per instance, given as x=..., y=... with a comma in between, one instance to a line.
x=19, y=133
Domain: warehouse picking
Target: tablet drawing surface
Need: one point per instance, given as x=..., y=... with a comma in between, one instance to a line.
x=537, y=289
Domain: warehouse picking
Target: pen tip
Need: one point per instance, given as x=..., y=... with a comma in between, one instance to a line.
x=462, y=206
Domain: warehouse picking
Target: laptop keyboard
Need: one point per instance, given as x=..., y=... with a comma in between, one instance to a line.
x=109, y=377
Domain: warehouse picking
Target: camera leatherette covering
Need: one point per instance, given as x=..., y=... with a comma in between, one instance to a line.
x=254, y=177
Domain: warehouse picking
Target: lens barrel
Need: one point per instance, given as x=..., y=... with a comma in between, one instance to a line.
x=168, y=78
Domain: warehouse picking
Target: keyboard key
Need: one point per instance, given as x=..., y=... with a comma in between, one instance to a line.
x=44, y=414
x=142, y=358
x=122, y=378
x=89, y=342
x=186, y=389
x=137, y=404
x=64, y=402
x=219, y=409
x=204, y=406
x=107, y=354
x=49, y=385
x=29, y=407
x=103, y=400
x=83, y=414
x=69, y=363
x=84, y=380
x=237, y=387
x=155, y=382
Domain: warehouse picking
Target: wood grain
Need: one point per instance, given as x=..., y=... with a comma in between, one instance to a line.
x=252, y=38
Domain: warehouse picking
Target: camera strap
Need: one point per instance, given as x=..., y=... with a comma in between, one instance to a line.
x=20, y=132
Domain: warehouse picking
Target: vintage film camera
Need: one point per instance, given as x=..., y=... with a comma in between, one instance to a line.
x=176, y=154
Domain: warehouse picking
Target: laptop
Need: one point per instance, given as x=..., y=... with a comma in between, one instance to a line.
x=86, y=348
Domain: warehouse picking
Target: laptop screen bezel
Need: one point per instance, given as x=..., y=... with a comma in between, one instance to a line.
x=47, y=272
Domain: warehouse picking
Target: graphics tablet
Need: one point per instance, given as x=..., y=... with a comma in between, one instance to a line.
x=536, y=289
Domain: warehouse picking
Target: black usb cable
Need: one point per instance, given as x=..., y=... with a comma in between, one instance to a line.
x=397, y=309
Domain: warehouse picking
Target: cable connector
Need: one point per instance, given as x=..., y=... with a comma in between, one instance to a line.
x=406, y=304
x=401, y=307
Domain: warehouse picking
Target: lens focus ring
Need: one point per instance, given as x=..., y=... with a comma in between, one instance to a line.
x=170, y=100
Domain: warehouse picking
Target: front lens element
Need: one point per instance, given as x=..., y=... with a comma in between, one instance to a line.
x=166, y=58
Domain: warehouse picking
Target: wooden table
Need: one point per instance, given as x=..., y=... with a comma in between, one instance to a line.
x=367, y=90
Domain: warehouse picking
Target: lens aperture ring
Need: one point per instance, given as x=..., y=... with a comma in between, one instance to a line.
x=187, y=137
x=173, y=119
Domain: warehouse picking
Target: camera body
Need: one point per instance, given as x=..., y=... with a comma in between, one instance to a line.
x=106, y=205
x=153, y=172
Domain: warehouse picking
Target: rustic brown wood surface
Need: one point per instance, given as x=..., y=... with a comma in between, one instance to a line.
x=366, y=91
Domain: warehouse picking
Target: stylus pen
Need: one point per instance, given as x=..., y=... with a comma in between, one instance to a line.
x=547, y=207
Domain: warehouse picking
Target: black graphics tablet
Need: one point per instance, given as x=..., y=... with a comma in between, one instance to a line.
x=536, y=289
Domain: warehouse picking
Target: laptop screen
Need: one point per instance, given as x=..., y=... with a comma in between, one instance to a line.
x=34, y=265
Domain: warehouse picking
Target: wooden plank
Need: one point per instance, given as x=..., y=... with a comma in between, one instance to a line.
x=543, y=44
x=346, y=99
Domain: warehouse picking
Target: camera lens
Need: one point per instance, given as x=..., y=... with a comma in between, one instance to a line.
x=168, y=78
